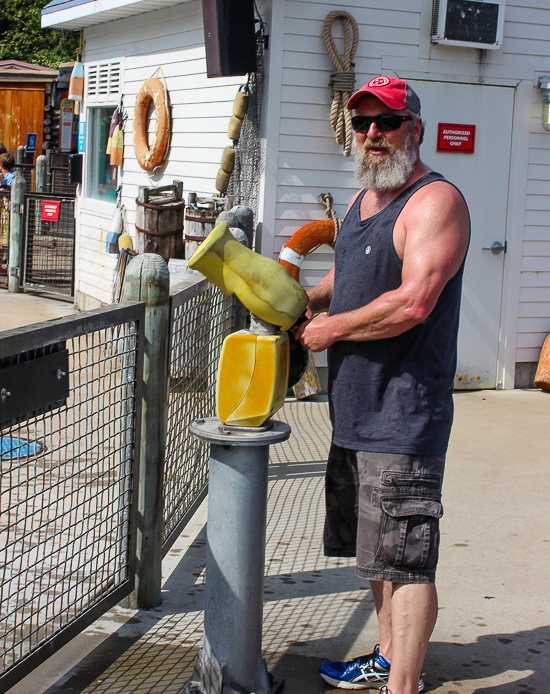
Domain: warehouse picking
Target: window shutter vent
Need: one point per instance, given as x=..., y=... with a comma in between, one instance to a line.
x=435, y=17
x=103, y=83
x=92, y=82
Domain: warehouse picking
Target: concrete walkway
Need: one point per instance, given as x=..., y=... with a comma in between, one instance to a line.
x=26, y=308
x=493, y=632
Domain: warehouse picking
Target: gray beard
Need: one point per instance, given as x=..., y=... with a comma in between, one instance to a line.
x=388, y=172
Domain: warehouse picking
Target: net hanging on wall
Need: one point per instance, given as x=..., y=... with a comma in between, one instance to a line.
x=249, y=157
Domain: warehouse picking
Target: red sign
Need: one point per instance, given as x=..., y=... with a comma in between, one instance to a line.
x=454, y=137
x=50, y=210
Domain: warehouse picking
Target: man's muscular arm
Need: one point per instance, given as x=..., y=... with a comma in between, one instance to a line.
x=433, y=245
x=320, y=296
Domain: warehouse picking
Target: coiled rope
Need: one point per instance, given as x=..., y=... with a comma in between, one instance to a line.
x=342, y=79
x=326, y=200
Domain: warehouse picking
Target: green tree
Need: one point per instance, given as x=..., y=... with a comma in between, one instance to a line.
x=22, y=38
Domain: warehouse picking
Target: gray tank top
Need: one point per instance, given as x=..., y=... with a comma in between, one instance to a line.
x=392, y=395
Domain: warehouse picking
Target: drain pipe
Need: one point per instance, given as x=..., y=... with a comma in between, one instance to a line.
x=230, y=660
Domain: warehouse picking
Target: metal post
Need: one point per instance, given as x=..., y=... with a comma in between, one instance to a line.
x=241, y=312
x=235, y=558
x=147, y=279
x=20, y=155
x=40, y=174
x=18, y=189
x=49, y=186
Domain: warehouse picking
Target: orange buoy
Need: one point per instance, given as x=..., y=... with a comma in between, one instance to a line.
x=302, y=242
x=542, y=376
x=150, y=157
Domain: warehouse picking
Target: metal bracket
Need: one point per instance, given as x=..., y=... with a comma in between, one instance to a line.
x=14, y=271
x=17, y=207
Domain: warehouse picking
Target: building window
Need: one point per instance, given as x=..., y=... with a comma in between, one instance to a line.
x=102, y=177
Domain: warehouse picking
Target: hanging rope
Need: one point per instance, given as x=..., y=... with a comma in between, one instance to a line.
x=342, y=79
x=326, y=200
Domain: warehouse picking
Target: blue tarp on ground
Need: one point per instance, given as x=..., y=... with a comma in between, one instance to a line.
x=18, y=448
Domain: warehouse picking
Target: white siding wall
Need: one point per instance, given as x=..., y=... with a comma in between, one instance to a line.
x=172, y=39
x=309, y=160
x=302, y=156
x=527, y=42
x=395, y=39
x=534, y=306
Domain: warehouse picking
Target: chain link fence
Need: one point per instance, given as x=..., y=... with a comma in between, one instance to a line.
x=67, y=527
x=202, y=317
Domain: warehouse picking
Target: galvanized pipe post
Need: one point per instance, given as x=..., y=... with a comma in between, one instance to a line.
x=20, y=154
x=49, y=187
x=18, y=189
x=231, y=657
x=40, y=174
x=148, y=280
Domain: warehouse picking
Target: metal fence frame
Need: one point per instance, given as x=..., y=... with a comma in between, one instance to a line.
x=28, y=173
x=56, y=286
x=58, y=170
x=25, y=340
x=200, y=318
x=220, y=326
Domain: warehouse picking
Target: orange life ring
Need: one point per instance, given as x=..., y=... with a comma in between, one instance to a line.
x=302, y=242
x=150, y=157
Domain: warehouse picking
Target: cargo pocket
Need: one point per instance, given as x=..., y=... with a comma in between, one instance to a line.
x=409, y=533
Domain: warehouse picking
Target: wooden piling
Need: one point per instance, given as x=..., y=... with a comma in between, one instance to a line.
x=40, y=174
x=148, y=280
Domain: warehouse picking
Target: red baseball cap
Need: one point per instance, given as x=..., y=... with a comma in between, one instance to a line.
x=396, y=94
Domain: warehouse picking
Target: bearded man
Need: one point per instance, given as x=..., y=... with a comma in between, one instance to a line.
x=393, y=301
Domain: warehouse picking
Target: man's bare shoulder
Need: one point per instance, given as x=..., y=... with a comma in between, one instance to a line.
x=438, y=206
x=436, y=216
x=441, y=195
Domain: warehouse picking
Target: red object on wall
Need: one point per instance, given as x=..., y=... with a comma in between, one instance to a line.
x=455, y=137
x=50, y=210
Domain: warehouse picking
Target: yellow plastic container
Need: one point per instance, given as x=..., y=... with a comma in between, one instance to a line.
x=252, y=378
x=262, y=284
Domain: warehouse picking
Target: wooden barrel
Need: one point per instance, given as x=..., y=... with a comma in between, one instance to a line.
x=159, y=220
x=198, y=224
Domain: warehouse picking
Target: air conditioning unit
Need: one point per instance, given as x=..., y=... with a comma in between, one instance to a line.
x=468, y=23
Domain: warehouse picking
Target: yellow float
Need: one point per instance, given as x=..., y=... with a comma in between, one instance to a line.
x=254, y=364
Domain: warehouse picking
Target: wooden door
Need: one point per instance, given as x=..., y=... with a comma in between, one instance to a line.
x=21, y=112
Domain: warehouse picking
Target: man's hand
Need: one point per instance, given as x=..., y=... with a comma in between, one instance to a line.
x=315, y=334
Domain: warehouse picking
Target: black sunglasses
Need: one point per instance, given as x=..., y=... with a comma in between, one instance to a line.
x=385, y=122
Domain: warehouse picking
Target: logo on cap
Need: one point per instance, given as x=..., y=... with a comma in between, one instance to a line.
x=379, y=81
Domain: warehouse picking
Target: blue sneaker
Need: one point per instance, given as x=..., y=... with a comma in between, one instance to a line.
x=359, y=673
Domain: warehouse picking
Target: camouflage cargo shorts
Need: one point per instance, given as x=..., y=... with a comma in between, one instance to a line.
x=384, y=508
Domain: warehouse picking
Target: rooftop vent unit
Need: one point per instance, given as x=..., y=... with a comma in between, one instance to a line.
x=468, y=23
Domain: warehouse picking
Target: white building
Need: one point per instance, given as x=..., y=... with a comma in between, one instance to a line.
x=506, y=179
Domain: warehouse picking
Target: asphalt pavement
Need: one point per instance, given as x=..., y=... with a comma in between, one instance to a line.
x=26, y=308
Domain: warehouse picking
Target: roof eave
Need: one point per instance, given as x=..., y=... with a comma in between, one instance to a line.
x=17, y=76
x=99, y=11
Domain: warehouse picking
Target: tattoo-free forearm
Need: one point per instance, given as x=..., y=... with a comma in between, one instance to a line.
x=320, y=296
